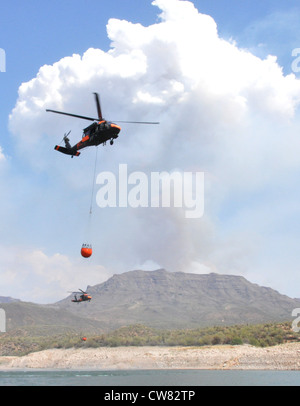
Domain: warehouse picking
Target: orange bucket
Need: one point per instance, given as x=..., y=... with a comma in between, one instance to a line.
x=86, y=250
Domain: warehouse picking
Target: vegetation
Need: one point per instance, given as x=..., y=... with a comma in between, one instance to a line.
x=137, y=335
x=258, y=335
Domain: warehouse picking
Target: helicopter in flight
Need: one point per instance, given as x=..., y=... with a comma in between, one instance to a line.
x=97, y=133
x=84, y=297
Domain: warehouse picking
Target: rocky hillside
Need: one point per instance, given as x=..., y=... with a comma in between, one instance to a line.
x=180, y=300
x=23, y=318
x=159, y=299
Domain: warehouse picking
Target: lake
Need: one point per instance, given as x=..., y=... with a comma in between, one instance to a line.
x=149, y=378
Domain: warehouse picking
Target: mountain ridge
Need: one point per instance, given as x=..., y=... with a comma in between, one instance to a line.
x=158, y=299
x=183, y=300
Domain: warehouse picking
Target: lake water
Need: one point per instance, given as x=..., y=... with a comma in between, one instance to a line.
x=149, y=378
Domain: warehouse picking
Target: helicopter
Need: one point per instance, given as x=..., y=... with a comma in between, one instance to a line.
x=84, y=297
x=97, y=133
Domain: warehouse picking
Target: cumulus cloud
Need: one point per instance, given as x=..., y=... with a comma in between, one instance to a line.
x=32, y=275
x=222, y=110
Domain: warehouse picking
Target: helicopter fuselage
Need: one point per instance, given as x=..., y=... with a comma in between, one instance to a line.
x=95, y=134
x=99, y=132
x=83, y=298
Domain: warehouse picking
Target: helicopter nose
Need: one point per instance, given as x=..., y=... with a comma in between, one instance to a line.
x=116, y=128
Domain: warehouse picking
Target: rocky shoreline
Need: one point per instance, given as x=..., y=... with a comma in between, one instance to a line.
x=222, y=357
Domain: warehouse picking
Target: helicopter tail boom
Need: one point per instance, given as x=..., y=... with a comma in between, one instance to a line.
x=67, y=151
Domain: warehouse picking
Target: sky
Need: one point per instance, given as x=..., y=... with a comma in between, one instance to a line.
x=223, y=80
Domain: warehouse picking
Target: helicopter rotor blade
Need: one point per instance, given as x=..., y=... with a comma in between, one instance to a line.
x=137, y=122
x=100, y=115
x=73, y=115
x=65, y=136
x=98, y=106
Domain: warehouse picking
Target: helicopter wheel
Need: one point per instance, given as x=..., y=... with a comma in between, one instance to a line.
x=111, y=142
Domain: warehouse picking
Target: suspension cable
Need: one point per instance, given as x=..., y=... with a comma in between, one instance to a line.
x=93, y=185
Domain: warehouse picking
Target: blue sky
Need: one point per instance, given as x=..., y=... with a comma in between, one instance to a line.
x=252, y=216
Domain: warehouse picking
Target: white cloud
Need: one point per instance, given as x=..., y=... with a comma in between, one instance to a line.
x=32, y=275
x=222, y=110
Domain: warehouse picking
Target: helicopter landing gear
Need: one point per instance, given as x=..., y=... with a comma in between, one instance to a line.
x=111, y=141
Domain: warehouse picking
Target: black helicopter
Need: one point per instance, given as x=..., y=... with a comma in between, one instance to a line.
x=84, y=297
x=97, y=133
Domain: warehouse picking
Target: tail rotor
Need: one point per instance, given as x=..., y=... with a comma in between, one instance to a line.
x=66, y=140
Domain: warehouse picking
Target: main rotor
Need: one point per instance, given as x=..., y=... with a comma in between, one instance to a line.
x=99, y=112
